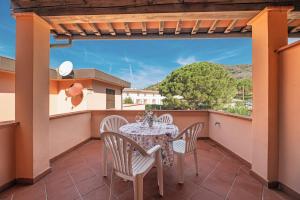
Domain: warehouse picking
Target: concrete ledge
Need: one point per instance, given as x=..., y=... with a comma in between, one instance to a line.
x=231, y=115
x=8, y=123
x=68, y=114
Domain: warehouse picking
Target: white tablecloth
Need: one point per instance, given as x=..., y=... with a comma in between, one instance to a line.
x=147, y=137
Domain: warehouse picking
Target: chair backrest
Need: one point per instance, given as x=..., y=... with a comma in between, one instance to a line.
x=166, y=118
x=190, y=135
x=112, y=123
x=122, y=149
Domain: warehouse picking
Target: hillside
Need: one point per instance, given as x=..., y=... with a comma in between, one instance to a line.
x=242, y=71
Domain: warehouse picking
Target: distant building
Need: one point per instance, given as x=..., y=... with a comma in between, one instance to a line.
x=100, y=90
x=143, y=97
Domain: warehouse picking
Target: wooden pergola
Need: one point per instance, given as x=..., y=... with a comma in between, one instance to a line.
x=150, y=19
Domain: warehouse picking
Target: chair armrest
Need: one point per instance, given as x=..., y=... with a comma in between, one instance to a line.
x=153, y=149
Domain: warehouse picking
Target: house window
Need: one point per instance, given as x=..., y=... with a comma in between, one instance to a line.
x=110, y=98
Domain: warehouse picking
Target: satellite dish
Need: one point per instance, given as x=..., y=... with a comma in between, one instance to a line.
x=65, y=68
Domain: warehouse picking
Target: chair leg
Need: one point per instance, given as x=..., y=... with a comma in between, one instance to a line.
x=180, y=163
x=160, y=173
x=104, y=160
x=138, y=187
x=196, y=161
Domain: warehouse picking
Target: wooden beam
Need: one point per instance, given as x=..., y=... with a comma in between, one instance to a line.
x=161, y=28
x=57, y=8
x=144, y=28
x=213, y=27
x=246, y=29
x=111, y=29
x=178, y=27
x=295, y=29
x=231, y=26
x=95, y=29
x=196, y=27
x=151, y=17
x=290, y=21
x=80, y=30
x=127, y=29
x=61, y=28
x=157, y=37
x=15, y=3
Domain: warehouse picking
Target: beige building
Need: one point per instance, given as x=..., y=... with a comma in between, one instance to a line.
x=143, y=97
x=100, y=91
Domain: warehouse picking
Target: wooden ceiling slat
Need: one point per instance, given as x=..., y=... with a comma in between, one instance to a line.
x=80, y=30
x=295, y=29
x=231, y=26
x=196, y=27
x=213, y=27
x=127, y=29
x=178, y=27
x=247, y=28
x=62, y=29
x=152, y=17
x=111, y=29
x=290, y=21
x=144, y=28
x=95, y=29
x=161, y=28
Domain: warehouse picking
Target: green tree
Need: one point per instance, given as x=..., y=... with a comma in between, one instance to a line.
x=201, y=84
x=244, y=87
x=128, y=100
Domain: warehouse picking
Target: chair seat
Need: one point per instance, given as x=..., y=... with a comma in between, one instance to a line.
x=140, y=164
x=179, y=146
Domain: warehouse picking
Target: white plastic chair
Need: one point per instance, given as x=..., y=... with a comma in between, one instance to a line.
x=131, y=162
x=166, y=118
x=110, y=123
x=184, y=143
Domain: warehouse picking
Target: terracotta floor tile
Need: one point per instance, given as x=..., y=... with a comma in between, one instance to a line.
x=81, y=174
x=78, y=175
x=204, y=194
x=221, y=180
x=245, y=187
x=275, y=195
x=65, y=193
x=61, y=183
x=32, y=192
x=90, y=184
x=101, y=193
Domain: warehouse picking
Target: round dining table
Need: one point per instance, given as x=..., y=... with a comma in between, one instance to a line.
x=147, y=137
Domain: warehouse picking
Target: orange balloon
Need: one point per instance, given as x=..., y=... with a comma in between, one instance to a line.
x=74, y=90
x=76, y=100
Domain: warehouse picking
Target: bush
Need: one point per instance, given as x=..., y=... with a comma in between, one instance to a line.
x=128, y=100
x=240, y=109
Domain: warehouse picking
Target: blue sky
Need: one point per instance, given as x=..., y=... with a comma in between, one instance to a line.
x=141, y=62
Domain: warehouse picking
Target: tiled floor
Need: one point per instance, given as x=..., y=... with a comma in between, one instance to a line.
x=77, y=175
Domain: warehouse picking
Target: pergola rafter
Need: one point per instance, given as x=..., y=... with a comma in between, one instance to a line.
x=175, y=19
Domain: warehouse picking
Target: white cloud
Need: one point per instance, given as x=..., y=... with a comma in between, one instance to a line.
x=187, y=60
x=140, y=74
x=226, y=55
